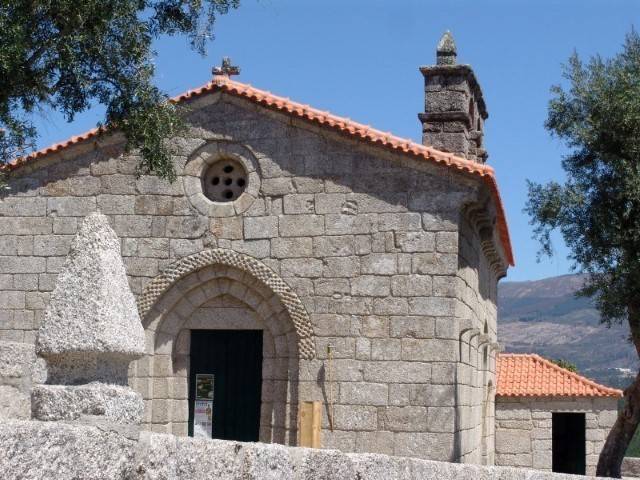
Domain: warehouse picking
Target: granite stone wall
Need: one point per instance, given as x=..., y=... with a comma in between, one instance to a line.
x=524, y=433
x=39, y=451
x=477, y=314
x=367, y=240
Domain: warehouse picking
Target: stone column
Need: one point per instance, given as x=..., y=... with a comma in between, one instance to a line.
x=90, y=334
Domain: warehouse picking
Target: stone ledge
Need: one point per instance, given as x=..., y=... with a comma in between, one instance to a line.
x=42, y=450
x=70, y=402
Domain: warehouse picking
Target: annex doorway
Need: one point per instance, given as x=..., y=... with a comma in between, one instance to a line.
x=568, y=443
x=225, y=383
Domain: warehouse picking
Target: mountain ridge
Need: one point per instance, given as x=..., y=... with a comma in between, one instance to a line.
x=545, y=317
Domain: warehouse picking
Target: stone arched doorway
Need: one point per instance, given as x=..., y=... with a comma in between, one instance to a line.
x=221, y=290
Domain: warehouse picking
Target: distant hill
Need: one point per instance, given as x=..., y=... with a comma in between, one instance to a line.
x=545, y=317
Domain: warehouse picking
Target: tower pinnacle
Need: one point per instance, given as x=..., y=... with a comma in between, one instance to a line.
x=446, y=51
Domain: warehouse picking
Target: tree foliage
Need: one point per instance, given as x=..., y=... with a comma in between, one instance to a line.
x=597, y=208
x=67, y=54
x=566, y=364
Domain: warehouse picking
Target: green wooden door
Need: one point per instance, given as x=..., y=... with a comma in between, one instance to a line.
x=225, y=379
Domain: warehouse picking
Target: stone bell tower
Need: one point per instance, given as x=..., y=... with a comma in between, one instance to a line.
x=453, y=120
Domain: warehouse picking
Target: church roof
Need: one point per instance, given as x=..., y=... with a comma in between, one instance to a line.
x=222, y=83
x=530, y=375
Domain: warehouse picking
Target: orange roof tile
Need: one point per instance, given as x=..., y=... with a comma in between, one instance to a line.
x=344, y=125
x=530, y=375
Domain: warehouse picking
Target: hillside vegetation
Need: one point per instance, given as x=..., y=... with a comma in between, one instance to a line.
x=545, y=317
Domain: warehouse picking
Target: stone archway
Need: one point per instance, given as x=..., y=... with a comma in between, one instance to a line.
x=221, y=289
x=219, y=256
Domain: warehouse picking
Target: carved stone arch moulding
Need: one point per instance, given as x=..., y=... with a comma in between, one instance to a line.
x=220, y=256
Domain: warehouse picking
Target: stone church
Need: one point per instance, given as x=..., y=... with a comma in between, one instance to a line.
x=299, y=257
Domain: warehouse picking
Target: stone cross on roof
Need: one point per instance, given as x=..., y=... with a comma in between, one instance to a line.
x=226, y=68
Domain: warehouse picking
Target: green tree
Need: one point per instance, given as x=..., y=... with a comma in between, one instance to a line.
x=567, y=365
x=597, y=209
x=67, y=54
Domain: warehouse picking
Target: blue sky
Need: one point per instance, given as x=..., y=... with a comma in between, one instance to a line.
x=360, y=58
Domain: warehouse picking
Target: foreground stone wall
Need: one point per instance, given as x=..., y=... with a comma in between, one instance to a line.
x=39, y=451
x=631, y=467
x=523, y=429
x=366, y=239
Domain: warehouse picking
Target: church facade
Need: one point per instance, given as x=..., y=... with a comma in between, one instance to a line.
x=299, y=257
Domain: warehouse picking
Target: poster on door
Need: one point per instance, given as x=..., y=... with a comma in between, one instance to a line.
x=204, y=387
x=203, y=408
x=203, y=419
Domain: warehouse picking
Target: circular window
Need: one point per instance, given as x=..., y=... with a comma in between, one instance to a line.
x=224, y=180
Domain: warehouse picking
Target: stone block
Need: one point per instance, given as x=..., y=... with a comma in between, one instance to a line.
x=379, y=264
x=355, y=418
x=334, y=246
x=364, y=393
x=133, y=225
x=444, y=286
x=65, y=225
x=182, y=227
x=70, y=402
x=260, y=227
x=43, y=450
x=403, y=419
x=332, y=287
x=429, y=350
x=331, y=203
x=411, y=285
x=412, y=327
x=412, y=242
x=291, y=247
x=433, y=446
x=435, y=264
x=71, y=206
x=226, y=227
x=341, y=224
x=341, y=267
x=23, y=206
x=375, y=442
x=447, y=242
x=254, y=248
x=331, y=325
x=386, y=349
x=14, y=403
x=432, y=395
x=399, y=222
x=398, y=371
x=375, y=326
x=117, y=204
x=301, y=225
x=390, y=306
x=26, y=225
x=432, y=306
x=277, y=186
x=370, y=285
x=22, y=265
x=301, y=267
x=513, y=441
x=52, y=245
x=308, y=185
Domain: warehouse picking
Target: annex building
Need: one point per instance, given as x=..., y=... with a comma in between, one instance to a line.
x=302, y=266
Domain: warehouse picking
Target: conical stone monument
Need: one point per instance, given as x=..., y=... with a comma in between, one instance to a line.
x=90, y=334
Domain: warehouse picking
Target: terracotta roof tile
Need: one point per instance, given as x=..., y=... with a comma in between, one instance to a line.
x=529, y=375
x=343, y=125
